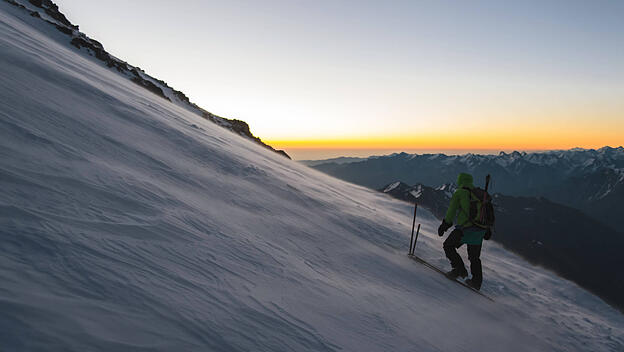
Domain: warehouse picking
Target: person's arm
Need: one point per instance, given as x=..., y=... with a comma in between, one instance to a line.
x=450, y=215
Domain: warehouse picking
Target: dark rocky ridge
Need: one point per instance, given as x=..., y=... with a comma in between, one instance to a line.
x=94, y=48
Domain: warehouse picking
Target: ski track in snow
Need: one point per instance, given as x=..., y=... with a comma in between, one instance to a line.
x=131, y=224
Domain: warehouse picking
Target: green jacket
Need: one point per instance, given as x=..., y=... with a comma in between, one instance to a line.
x=460, y=202
x=460, y=208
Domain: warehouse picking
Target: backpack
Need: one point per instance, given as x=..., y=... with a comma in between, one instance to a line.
x=481, y=208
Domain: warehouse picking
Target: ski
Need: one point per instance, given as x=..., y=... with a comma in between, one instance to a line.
x=435, y=268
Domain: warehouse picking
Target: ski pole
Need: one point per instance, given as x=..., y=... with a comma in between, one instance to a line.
x=416, y=239
x=413, y=224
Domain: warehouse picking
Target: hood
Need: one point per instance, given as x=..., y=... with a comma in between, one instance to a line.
x=464, y=180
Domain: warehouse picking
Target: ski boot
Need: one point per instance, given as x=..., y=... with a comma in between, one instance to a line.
x=457, y=272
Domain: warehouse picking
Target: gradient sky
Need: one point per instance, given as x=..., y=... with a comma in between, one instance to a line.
x=402, y=75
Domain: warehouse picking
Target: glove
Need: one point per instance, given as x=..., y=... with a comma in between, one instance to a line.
x=488, y=234
x=443, y=227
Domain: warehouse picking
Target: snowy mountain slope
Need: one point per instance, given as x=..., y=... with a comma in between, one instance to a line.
x=47, y=16
x=129, y=223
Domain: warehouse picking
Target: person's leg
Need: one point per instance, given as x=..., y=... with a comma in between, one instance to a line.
x=474, y=255
x=452, y=242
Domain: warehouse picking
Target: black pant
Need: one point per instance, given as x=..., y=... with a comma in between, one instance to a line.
x=452, y=242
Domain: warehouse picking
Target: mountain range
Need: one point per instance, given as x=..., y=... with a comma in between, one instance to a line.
x=591, y=180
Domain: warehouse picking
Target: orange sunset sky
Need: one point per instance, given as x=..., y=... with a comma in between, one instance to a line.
x=328, y=78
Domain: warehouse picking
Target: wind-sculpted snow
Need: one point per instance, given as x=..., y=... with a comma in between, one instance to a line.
x=131, y=224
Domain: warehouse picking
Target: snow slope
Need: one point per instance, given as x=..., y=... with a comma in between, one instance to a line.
x=131, y=224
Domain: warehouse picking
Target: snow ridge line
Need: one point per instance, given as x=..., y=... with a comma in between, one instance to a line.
x=49, y=12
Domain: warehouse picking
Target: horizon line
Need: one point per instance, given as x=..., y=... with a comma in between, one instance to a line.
x=314, y=154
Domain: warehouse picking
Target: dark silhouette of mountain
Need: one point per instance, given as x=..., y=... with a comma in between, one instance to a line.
x=48, y=11
x=555, y=236
x=587, y=179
